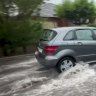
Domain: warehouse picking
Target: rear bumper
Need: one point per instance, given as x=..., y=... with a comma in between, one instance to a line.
x=48, y=61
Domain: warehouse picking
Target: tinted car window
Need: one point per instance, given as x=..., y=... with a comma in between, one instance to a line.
x=48, y=35
x=94, y=33
x=84, y=35
x=69, y=36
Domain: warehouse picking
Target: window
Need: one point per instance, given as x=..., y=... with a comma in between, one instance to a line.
x=48, y=35
x=69, y=36
x=84, y=34
x=94, y=34
x=95, y=31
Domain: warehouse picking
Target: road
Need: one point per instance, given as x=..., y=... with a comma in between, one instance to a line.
x=24, y=76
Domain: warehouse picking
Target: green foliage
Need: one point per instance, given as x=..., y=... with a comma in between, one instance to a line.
x=27, y=7
x=65, y=10
x=78, y=11
x=21, y=29
x=19, y=33
x=92, y=25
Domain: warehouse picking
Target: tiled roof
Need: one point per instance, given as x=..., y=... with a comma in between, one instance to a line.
x=48, y=10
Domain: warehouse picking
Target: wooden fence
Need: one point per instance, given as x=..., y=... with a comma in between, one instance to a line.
x=19, y=51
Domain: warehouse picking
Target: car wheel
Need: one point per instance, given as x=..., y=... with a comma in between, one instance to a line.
x=65, y=64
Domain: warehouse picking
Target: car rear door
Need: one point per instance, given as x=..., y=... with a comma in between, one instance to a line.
x=94, y=32
x=85, y=45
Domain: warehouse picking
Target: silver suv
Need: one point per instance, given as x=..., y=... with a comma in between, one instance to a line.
x=63, y=47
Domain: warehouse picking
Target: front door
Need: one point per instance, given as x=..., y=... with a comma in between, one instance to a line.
x=85, y=45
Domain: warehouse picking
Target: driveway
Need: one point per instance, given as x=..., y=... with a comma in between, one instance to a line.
x=23, y=76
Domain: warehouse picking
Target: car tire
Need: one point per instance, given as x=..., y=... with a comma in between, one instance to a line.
x=65, y=64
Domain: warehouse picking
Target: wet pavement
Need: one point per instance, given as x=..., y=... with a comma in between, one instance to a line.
x=23, y=76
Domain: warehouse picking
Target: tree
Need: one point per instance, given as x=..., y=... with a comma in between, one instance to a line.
x=78, y=11
x=17, y=26
x=25, y=8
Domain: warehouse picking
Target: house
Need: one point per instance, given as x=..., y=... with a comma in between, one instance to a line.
x=47, y=12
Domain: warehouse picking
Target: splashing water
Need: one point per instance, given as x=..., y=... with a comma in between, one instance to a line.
x=75, y=76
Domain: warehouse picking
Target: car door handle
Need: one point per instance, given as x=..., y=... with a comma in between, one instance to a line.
x=79, y=43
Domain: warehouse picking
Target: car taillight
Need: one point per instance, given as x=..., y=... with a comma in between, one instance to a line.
x=50, y=49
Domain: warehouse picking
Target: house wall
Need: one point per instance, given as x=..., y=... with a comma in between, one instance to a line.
x=53, y=22
x=49, y=24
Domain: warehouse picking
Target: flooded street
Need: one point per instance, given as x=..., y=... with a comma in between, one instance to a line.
x=23, y=76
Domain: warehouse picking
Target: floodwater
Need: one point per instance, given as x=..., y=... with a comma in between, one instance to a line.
x=25, y=77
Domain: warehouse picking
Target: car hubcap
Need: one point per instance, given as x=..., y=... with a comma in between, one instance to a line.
x=66, y=64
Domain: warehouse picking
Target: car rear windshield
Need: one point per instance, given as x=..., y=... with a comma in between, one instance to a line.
x=48, y=35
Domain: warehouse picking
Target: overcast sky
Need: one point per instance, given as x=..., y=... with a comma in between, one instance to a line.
x=56, y=1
